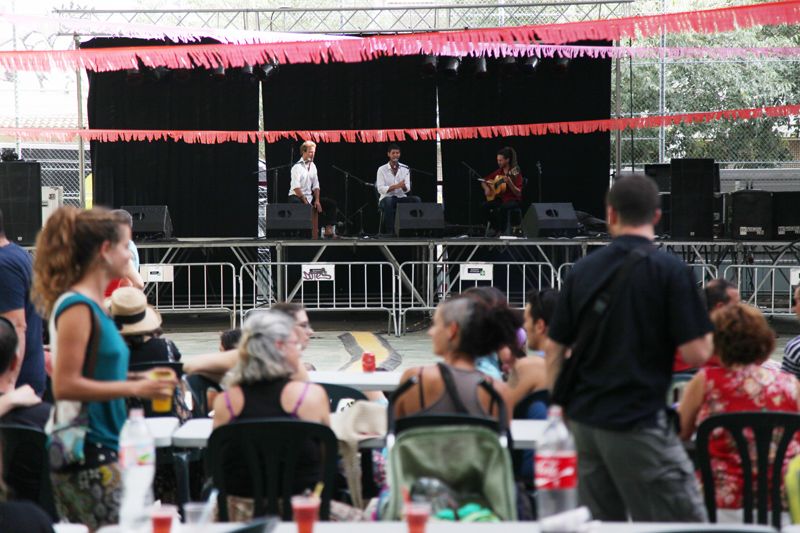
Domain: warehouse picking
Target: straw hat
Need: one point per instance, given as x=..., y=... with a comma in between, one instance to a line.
x=131, y=312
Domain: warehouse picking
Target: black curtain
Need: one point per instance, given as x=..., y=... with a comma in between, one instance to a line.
x=211, y=190
x=385, y=93
x=574, y=167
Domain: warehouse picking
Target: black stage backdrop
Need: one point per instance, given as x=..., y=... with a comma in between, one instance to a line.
x=574, y=167
x=211, y=190
x=385, y=93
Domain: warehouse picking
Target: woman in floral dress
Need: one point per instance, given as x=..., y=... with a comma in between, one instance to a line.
x=743, y=340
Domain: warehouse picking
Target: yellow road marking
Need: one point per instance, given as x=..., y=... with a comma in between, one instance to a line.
x=368, y=343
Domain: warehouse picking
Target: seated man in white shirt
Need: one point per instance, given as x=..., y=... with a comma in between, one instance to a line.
x=304, y=188
x=393, y=184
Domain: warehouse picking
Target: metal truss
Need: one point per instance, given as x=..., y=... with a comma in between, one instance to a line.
x=365, y=20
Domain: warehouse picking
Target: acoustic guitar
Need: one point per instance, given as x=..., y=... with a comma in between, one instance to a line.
x=498, y=185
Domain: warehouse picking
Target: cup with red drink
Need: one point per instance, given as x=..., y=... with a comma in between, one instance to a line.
x=306, y=511
x=163, y=517
x=368, y=362
x=417, y=514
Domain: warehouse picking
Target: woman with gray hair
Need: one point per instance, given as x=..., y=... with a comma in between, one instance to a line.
x=261, y=386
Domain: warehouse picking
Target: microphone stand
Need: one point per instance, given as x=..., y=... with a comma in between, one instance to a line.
x=347, y=176
x=274, y=171
x=471, y=172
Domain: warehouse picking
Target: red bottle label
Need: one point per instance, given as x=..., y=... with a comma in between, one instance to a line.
x=556, y=471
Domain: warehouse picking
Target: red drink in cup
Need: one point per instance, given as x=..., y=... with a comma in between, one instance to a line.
x=306, y=511
x=368, y=362
x=162, y=518
x=417, y=514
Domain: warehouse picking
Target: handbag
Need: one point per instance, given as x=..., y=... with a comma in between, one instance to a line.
x=592, y=329
x=69, y=420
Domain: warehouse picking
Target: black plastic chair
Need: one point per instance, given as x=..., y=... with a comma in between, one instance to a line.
x=270, y=448
x=763, y=425
x=200, y=385
x=26, y=466
x=336, y=393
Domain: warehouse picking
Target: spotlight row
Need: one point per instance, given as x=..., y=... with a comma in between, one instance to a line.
x=261, y=72
x=508, y=66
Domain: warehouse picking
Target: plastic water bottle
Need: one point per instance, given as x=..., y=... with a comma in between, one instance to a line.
x=137, y=457
x=556, y=468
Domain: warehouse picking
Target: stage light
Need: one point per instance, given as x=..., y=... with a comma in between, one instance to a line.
x=428, y=66
x=266, y=70
x=480, y=68
x=218, y=73
x=160, y=73
x=449, y=66
x=528, y=64
x=247, y=70
x=562, y=63
x=508, y=66
x=134, y=76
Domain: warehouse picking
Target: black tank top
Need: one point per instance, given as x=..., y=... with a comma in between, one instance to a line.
x=263, y=400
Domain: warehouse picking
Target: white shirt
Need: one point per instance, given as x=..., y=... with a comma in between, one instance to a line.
x=304, y=177
x=386, y=178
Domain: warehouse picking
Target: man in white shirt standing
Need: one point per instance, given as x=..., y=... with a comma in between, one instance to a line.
x=304, y=188
x=393, y=184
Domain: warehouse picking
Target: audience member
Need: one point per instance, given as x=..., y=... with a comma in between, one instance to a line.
x=261, y=386
x=16, y=277
x=490, y=364
x=718, y=293
x=615, y=405
x=131, y=276
x=229, y=339
x=791, y=353
x=140, y=325
x=743, y=340
x=22, y=407
x=77, y=254
x=463, y=328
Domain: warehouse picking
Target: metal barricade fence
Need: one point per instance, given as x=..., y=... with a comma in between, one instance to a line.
x=768, y=287
x=422, y=285
x=703, y=272
x=192, y=288
x=329, y=286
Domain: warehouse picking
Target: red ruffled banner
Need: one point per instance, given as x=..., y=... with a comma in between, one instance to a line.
x=490, y=41
x=400, y=134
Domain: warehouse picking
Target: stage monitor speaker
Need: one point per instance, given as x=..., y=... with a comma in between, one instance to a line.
x=150, y=222
x=289, y=220
x=692, y=183
x=419, y=220
x=664, y=226
x=786, y=215
x=550, y=220
x=660, y=173
x=751, y=215
x=21, y=200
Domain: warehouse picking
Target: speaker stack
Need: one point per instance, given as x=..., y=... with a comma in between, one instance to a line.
x=21, y=200
x=692, y=185
x=786, y=215
x=150, y=221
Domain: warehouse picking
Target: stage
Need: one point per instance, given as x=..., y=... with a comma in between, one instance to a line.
x=411, y=275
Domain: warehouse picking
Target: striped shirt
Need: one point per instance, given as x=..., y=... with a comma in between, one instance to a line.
x=791, y=357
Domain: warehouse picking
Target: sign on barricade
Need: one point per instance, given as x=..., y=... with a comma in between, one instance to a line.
x=319, y=272
x=477, y=272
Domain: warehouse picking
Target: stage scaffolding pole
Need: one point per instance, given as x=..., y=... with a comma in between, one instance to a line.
x=81, y=154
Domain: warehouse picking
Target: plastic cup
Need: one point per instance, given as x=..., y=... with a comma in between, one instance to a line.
x=161, y=405
x=193, y=512
x=417, y=514
x=162, y=518
x=306, y=511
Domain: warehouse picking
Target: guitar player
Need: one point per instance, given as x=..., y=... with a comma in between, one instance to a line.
x=503, y=191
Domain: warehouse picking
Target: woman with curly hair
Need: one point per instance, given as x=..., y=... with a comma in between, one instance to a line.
x=743, y=340
x=77, y=254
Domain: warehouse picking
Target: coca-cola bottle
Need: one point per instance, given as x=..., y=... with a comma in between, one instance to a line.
x=556, y=467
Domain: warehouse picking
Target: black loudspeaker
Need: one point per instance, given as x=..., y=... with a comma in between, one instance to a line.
x=692, y=183
x=550, y=220
x=289, y=220
x=418, y=220
x=664, y=226
x=150, y=221
x=21, y=200
x=660, y=173
x=751, y=215
x=786, y=216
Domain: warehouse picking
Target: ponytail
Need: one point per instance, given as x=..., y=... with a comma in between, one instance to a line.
x=66, y=249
